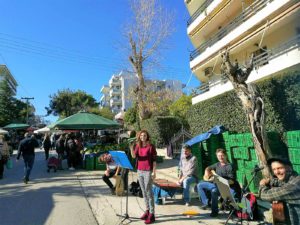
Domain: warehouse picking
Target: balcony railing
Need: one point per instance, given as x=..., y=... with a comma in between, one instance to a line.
x=199, y=11
x=245, y=15
x=258, y=61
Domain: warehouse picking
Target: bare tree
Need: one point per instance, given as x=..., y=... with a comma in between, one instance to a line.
x=147, y=34
x=253, y=105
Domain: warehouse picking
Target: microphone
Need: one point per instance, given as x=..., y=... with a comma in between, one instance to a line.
x=257, y=169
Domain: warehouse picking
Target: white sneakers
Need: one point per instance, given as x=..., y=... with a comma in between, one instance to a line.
x=71, y=168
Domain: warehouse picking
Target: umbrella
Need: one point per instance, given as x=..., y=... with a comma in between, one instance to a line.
x=85, y=121
x=3, y=131
x=42, y=130
x=16, y=126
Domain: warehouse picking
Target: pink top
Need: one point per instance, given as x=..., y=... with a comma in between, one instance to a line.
x=145, y=157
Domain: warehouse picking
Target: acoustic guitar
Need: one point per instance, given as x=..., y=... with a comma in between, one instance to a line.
x=278, y=213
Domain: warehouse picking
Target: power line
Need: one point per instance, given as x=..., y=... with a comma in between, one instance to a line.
x=65, y=55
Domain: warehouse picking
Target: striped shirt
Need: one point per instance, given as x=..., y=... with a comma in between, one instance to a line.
x=287, y=191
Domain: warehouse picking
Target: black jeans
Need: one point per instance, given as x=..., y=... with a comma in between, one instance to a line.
x=106, y=178
x=111, y=174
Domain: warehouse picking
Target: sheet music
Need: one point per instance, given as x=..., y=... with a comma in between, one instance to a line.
x=224, y=189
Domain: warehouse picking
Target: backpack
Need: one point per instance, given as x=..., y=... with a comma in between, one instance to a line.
x=250, y=207
x=135, y=189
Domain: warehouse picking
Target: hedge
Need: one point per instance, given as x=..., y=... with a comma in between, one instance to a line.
x=162, y=129
x=281, y=95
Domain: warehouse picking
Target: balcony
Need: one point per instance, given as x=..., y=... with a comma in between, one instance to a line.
x=245, y=15
x=269, y=62
x=115, y=91
x=200, y=10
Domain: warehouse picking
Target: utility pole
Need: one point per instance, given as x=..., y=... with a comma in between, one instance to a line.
x=27, y=104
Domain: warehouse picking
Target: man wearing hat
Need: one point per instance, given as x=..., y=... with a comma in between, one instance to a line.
x=283, y=187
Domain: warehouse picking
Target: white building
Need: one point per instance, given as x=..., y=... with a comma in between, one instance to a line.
x=117, y=94
x=5, y=73
x=269, y=29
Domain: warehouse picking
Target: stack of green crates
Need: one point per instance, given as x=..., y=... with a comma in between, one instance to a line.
x=293, y=142
x=197, y=153
x=241, y=153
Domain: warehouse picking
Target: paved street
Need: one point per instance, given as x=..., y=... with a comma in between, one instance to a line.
x=81, y=198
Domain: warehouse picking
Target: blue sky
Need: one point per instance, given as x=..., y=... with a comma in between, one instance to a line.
x=50, y=45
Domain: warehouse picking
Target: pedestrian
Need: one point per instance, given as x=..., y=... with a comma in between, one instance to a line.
x=26, y=149
x=188, y=172
x=145, y=154
x=46, y=145
x=112, y=170
x=4, y=153
x=284, y=187
x=71, y=149
x=224, y=169
x=60, y=149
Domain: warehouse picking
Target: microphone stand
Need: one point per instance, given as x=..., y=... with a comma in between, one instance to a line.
x=126, y=215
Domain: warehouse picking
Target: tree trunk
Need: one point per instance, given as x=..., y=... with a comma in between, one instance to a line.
x=253, y=106
x=136, y=60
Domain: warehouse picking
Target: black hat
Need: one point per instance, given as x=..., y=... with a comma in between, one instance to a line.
x=280, y=159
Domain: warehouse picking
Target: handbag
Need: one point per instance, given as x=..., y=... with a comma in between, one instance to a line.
x=9, y=164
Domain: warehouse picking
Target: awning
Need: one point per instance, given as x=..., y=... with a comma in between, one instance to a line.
x=202, y=137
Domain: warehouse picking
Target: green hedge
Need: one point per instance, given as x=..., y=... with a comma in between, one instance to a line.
x=162, y=129
x=282, y=103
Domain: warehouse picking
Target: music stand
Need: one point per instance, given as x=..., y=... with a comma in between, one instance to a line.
x=224, y=189
x=121, y=159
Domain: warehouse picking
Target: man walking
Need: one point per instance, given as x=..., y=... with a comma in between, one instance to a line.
x=26, y=148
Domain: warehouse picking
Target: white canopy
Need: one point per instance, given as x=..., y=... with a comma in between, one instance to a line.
x=120, y=116
x=3, y=131
x=42, y=130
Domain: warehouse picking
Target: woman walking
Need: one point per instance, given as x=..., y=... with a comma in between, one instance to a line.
x=145, y=153
x=46, y=145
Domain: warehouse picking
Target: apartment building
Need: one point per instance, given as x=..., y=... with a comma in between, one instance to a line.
x=268, y=29
x=5, y=73
x=118, y=94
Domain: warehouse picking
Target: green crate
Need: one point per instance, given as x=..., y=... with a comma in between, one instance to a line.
x=241, y=153
x=254, y=186
x=296, y=168
x=253, y=156
x=249, y=165
x=240, y=164
x=100, y=166
x=89, y=163
x=293, y=143
x=240, y=176
x=294, y=155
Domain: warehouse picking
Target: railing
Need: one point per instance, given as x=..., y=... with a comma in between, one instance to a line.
x=265, y=57
x=258, y=61
x=245, y=15
x=201, y=9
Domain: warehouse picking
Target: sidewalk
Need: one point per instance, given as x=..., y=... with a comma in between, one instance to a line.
x=106, y=206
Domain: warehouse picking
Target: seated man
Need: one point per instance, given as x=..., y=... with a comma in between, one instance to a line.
x=283, y=187
x=188, y=172
x=224, y=169
x=112, y=170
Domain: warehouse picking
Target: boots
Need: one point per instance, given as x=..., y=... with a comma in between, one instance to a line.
x=145, y=215
x=150, y=219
